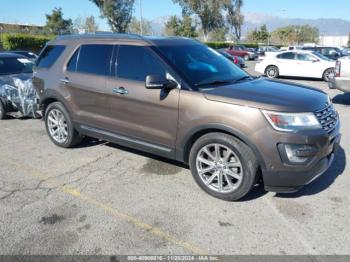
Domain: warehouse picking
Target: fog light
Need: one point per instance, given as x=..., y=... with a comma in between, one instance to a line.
x=297, y=154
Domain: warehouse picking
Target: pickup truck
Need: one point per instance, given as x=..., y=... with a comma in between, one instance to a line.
x=341, y=79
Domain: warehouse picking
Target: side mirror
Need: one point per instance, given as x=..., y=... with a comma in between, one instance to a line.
x=159, y=82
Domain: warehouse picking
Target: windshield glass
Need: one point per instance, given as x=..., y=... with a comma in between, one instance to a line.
x=321, y=56
x=9, y=66
x=201, y=65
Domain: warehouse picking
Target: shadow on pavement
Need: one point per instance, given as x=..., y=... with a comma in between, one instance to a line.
x=324, y=181
x=342, y=99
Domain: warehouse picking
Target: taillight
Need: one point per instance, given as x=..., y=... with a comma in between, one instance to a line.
x=337, y=68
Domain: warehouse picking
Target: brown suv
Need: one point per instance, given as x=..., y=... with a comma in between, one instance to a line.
x=179, y=99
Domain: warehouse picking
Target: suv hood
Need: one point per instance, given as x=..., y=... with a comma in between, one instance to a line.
x=269, y=94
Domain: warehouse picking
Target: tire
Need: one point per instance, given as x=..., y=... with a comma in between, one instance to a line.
x=57, y=119
x=2, y=111
x=272, y=71
x=328, y=74
x=241, y=163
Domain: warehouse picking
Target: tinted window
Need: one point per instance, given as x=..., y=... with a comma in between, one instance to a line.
x=72, y=64
x=10, y=66
x=49, y=56
x=136, y=62
x=201, y=65
x=304, y=57
x=95, y=59
x=288, y=55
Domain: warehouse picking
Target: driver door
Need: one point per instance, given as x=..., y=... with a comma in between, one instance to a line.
x=146, y=117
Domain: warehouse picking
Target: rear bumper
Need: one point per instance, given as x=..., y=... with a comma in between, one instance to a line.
x=340, y=83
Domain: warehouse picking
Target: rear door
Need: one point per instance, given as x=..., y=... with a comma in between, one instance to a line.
x=307, y=66
x=286, y=63
x=145, y=117
x=86, y=78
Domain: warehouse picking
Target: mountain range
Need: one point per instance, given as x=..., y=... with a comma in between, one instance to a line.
x=326, y=26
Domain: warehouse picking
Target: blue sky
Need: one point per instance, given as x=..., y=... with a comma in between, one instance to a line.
x=33, y=11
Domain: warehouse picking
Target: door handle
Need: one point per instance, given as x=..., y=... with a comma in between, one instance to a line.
x=120, y=91
x=65, y=80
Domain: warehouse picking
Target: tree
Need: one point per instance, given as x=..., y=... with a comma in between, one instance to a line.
x=56, y=24
x=86, y=25
x=295, y=34
x=180, y=27
x=134, y=27
x=218, y=34
x=208, y=11
x=259, y=36
x=234, y=16
x=117, y=12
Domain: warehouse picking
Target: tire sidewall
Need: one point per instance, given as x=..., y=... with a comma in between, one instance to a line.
x=325, y=72
x=59, y=106
x=248, y=168
x=2, y=111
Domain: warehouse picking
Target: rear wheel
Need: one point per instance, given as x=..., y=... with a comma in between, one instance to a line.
x=223, y=166
x=2, y=111
x=59, y=126
x=272, y=72
x=328, y=74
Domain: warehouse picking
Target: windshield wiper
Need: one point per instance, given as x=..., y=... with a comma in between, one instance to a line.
x=243, y=78
x=215, y=82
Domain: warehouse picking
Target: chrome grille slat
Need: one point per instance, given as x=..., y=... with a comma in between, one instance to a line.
x=328, y=118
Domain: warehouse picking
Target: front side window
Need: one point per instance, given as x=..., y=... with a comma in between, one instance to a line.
x=94, y=59
x=288, y=55
x=136, y=63
x=49, y=56
x=201, y=65
x=304, y=57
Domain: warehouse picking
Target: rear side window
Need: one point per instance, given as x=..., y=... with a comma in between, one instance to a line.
x=72, y=64
x=137, y=62
x=94, y=59
x=49, y=56
x=288, y=55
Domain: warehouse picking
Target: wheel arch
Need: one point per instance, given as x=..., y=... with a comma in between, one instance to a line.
x=51, y=97
x=195, y=134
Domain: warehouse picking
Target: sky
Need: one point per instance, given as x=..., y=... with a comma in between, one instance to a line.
x=33, y=11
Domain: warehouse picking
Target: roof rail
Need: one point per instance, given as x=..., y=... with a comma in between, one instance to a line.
x=100, y=35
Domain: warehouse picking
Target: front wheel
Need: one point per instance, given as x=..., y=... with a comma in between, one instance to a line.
x=328, y=75
x=272, y=72
x=223, y=166
x=59, y=126
x=2, y=111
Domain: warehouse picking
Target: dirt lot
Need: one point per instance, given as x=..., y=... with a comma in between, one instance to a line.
x=104, y=199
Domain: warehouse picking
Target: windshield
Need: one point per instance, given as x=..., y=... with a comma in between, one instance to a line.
x=9, y=66
x=201, y=65
x=319, y=55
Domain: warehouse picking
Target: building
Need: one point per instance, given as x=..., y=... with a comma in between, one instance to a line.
x=19, y=28
x=336, y=41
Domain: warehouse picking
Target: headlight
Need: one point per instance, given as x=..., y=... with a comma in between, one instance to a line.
x=292, y=122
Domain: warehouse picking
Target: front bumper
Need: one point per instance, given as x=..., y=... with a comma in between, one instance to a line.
x=340, y=83
x=290, y=178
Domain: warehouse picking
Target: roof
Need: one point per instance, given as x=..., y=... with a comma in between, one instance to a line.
x=158, y=40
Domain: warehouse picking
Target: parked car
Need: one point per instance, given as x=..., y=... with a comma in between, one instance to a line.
x=235, y=59
x=179, y=99
x=30, y=55
x=241, y=51
x=331, y=52
x=263, y=49
x=345, y=51
x=297, y=64
x=15, y=97
x=341, y=80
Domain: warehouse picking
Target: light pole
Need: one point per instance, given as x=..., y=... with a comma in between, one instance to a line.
x=141, y=27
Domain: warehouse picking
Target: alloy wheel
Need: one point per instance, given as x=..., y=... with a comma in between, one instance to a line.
x=219, y=168
x=57, y=125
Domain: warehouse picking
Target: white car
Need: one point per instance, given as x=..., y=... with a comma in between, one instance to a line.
x=341, y=80
x=297, y=64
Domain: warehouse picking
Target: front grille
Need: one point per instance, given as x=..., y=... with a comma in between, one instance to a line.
x=328, y=118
